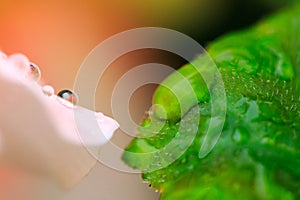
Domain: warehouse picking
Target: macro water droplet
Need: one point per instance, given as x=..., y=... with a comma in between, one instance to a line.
x=236, y=136
x=48, y=90
x=69, y=96
x=240, y=135
x=162, y=180
x=183, y=161
x=191, y=167
x=35, y=72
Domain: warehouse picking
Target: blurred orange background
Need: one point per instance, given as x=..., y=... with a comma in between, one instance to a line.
x=57, y=35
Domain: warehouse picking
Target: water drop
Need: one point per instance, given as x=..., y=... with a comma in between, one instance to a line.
x=69, y=96
x=35, y=73
x=183, y=161
x=240, y=135
x=162, y=180
x=236, y=136
x=48, y=90
x=191, y=167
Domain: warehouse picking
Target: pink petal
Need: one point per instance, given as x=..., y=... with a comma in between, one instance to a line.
x=44, y=133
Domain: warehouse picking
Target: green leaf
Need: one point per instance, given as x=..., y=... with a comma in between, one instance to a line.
x=258, y=153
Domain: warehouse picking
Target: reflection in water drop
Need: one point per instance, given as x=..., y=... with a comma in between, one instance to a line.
x=69, y=96
x=35, y=72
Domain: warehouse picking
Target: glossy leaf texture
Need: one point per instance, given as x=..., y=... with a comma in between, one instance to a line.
x=258, y=153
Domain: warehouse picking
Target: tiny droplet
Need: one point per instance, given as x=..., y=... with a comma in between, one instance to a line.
x=35, y=72
x=48, y=90
x=237, y=136
x=68, y=95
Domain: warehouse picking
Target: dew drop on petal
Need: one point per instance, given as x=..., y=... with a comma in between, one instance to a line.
x=48, y=90
x=35, y=72
x=68, y=95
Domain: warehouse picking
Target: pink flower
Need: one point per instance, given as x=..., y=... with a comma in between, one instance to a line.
x=43, y=132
